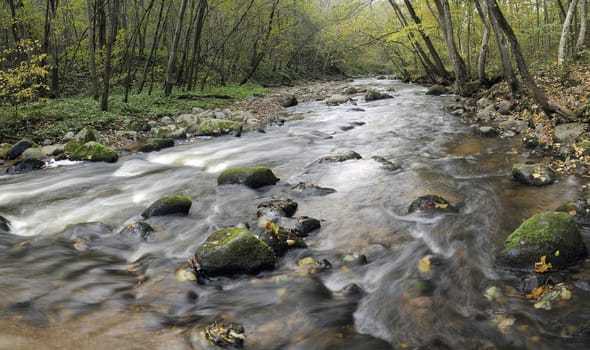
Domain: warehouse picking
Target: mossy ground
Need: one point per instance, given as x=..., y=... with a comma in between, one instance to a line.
x=51, y=119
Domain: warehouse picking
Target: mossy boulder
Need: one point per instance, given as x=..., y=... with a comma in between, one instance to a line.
x=218, y=127
x=94, y=152
x=530, y=141
x=253, y=177
x=18, y=148
x=552, y=234
x=233, y=251
x=155, y=144
x=431, y=204
x=71, y=146
x=169, y=205
x=88, y=134
x=533, y=174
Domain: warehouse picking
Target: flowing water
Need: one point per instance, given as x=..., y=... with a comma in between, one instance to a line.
x=123, y=294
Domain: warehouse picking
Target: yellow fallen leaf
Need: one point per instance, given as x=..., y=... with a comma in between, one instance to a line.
x=536, y=175
x=441, y=206
x=557, y=253
x=543, y=266
x=424, y=265
x=538, y=292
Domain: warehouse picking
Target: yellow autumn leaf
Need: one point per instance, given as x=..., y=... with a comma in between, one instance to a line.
x=538, y=292
x=424, y=265
x=543, y=266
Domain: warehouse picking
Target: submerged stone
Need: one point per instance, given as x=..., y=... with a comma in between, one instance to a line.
x=340, y=157
x=169, y=205
x=139, y=229
x=554, y=235
x=94, y=152
x=233, y=251
x=308, y=189
x=431, y=204
x=253, y=177
x=533, y=174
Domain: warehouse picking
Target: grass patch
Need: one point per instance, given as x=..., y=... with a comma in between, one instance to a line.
x=51, y=119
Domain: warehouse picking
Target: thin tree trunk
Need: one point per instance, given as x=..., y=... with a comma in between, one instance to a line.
x=258, y=56
x=539, y=96
x=483, y=49
x=104, y=104
x=155, y=42
x=91, y=48
x=583, y=28
x=565, y=31
x=507, y=68
x=440, y=67
x=196, y=54
x=447, y=28
x=174, y=50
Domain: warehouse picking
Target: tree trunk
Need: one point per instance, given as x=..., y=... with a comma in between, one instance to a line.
x=104, y=104
x=173, y=50
x=440, y=67
x=539, y=96
x=447, y=28
x=483, y=49
x=102, y=22
x=258, y=56
x=507, y=68
x=583, y=28
x=91, y=48
x=565, y=31
x=196, y=53
x=155, y=42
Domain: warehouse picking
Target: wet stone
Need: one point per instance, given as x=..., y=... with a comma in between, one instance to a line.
x=533, y=174
x=4, y=224
x=431, y=204
x=276, y=208
x=141, y=230
x=340, y=157
x=386, y=164
x=308, y=189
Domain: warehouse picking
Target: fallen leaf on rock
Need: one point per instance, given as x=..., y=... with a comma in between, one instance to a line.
x=543, y=266
x=424, y=265
x=504, y=322
x=537, y=292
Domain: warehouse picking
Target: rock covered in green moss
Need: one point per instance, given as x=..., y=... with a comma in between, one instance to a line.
x=94, y=152
x=88, y=134
x=253, y=177
x=155, y=144
x=218, y=127
x=533, y=174
x=168, y=205
x=233, y=251
x=431, y=204
x=552, y=234
x=530, y=141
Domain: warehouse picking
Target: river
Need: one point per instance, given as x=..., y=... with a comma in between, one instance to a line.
x=123, y=294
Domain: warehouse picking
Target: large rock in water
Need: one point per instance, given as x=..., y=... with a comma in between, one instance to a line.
x=155, y=144
x=340, y=157
x=551, y=234
x=174, y=204
x=336, y=100
x=94, y=152
x=233, y=251
x=533, y=174
x=253, y=177
x=31, y=159
x=373, y=95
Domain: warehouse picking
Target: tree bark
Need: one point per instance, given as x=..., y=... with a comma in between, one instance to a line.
x=459, y=68
x=507, y=68
x=104, y=104
x=173, y=50
x=583, y=28
x=539, y=96
x=155, y=42
x=483, y=48
x=565, y=31
x=196, y=53
x=91, y=11
x=440, y=67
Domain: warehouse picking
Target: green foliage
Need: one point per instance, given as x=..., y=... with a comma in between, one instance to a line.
x=22, y=74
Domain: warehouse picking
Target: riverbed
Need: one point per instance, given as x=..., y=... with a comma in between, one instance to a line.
x=123, y=294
